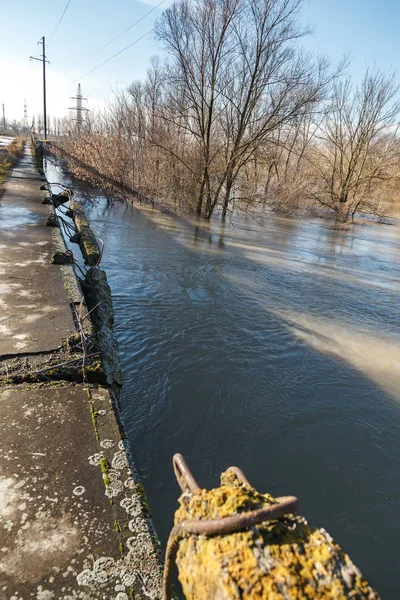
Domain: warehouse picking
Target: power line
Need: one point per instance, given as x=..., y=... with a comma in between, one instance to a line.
x=58, y=24
x=116, y=38
x=111, y=58
x=130, y=26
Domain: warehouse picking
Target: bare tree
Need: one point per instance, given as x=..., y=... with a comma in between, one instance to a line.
x=242, y=77
x=358, y=145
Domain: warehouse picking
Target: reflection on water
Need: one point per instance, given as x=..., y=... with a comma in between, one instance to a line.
x=376, y=356
x=272, y=345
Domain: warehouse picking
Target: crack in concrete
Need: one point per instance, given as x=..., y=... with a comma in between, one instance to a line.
x=26, y=354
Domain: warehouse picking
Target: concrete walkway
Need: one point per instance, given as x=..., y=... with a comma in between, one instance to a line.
x=34, y=312
x=72, y=523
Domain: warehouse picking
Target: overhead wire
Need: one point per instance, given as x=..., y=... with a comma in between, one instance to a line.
x=133, y=25
x=111, y=57
x=116, y=38
x=59, y=22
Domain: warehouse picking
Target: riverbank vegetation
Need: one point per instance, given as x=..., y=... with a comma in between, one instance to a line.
x=9, y=156
x=240, y=117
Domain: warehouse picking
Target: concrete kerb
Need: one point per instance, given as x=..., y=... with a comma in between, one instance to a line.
x=140, y=564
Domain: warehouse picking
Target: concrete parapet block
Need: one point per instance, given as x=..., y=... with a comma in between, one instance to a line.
x=52, y=220
x=87, y=240
x=99, y=300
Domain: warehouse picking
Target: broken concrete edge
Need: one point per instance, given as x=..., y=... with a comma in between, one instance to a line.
x=138, y=535
x=87, y=240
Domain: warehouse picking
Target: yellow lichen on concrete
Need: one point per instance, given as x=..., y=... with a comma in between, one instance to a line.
x=285, y=558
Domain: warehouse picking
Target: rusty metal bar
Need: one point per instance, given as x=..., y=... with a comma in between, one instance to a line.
x=240, y=475
x=186, y=481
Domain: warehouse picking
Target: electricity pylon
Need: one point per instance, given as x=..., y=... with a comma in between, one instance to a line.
x=79, y=108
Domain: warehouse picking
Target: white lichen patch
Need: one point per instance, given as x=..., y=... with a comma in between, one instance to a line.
x=97, y=397
x=79, y=490
x=107, y=444
x=25, y=294
x=129, y=483
x=132, y=505
x=105, y=563
x=128, y=579
x=119, y=460
x=86, y=577
x=114, y=489
x=95, y=459
x=124, y=571
x=44, y=594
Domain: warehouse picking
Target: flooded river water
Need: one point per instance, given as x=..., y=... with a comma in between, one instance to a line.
x=273, y=345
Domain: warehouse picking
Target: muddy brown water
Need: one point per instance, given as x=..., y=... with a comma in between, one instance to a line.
x=272, y=345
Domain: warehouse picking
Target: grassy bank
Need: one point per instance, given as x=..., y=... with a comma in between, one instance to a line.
x=9, y=156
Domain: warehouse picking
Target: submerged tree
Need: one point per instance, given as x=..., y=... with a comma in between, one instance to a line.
x=238, y=117
x=240, y=77
x=358, y=146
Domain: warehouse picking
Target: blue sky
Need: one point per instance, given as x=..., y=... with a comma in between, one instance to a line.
x=365, y=29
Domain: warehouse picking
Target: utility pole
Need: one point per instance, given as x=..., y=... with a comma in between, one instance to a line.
x=44, y=61
x=4, y=119
x=25, y=115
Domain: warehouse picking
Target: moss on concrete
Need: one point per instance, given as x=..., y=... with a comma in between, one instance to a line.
x=93, y=415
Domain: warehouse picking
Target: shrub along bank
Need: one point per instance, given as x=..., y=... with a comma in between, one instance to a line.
x=9, y=156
